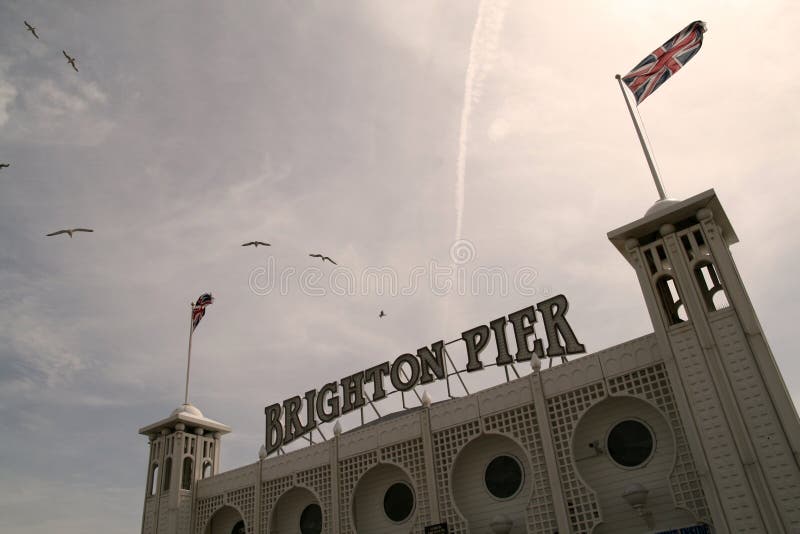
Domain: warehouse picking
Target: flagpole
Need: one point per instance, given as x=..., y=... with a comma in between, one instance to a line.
x=188, y=357
x=656, y=178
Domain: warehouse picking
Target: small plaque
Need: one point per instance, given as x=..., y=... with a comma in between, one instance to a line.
x=439, y=528
x=696, y=529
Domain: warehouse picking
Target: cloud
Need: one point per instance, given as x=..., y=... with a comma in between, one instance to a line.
x=35, y=345
x=25, y=497
x=53, y=111
x=8, y=93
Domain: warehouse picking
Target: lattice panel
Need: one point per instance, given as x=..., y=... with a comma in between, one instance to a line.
x=244, y=499
x=410, y=456
x=205, y=509
x=350, y=470
x=271, y=491
x=185, y=514
x=652, y=383
x=163, y=512
x=723, y=458
x=318, y=480
x=149, y=516
x=564, y=411
x=523, y=425
x=446, y=444
x=759, y=416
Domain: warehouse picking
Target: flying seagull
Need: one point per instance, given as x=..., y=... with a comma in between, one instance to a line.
x=31, y=28
x=4, y=165
x=255, y=244
x=323, y=258
x=381, y=315
x=70, y=230
x=70, y=60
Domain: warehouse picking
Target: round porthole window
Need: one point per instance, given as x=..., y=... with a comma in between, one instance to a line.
x=630, y=443
x=398, y=502
x=311, y=519
x=503, y=477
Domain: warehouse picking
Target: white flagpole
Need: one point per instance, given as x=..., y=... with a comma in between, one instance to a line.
x=189, y=356
x=656, y=178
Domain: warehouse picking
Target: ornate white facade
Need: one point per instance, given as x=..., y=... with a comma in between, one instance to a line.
x=720, y=445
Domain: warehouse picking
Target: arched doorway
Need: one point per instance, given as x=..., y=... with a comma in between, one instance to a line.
x=297, y=510
x=384, y=501
x=226, y=520
x=622, y=441
x=491, y=476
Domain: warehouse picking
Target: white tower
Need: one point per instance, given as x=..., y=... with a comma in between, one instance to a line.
x=184, y=448
x=741, y=423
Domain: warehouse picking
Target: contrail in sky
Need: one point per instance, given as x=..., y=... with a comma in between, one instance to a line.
x=482, y=51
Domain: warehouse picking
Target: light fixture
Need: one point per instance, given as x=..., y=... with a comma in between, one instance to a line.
x=636, y=496
x=426, y=399
x=536, y=362
x=501, y=524
x=596, y=447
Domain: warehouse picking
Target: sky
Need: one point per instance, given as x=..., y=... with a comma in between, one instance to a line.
x=351, y=129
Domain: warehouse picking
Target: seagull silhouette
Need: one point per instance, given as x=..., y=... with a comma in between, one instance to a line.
x=4, y=165
x=69, y=231
x=70, y=60
x=323, y=258
x=255, y=244
x=31, y=28
x=381, y=315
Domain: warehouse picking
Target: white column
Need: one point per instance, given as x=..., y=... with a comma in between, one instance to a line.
x=430, y=473
x=551, y=461
x=334, y=463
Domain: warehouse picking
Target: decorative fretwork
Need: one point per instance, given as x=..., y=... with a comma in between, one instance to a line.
x=271, y=491
x=446, y=444
x=652, y=383
x=564, y=411
x=318, y=480
x=522, y=424
x=410, y=456
x=350, y=471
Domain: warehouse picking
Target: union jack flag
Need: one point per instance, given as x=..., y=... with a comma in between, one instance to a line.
x=665, y=61
x=199, y=308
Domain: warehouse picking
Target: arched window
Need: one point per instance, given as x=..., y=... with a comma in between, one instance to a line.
x=311, y=519
x=206, y=469
x=671, y=300
x=503, y=477
x=153, y=479
x=167, y=472
x=398, y=502
x=630, y=443
x=187, y=475
x=710, y=286
x=238, y=528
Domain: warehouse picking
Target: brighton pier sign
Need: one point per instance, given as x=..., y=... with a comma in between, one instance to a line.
x=335, y=399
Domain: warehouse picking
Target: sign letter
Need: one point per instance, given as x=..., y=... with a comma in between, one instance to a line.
x=333, y=402
x=274, y=428
x=476, y=339
x=521, y=333
x=431, y=362
x=553, y=314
